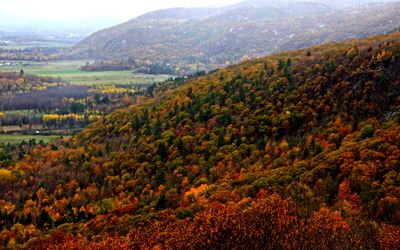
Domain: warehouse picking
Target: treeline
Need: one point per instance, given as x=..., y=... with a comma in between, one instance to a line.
x=19, y=82
x=31, y=54
x=45, y=99
x=31, y=119
x=107, y=66
x=158, y=68
x=153, y=69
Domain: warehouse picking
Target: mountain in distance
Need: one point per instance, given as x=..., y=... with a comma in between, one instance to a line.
x=298, y=150
x=208, y=38
x=27, y=25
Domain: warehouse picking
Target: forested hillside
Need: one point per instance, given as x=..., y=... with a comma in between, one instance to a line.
x=299, y=150
x=187, y=40
x=19, y=82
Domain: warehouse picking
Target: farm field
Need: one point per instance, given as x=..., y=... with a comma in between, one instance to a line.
x=18, y=138
x=70, y=71
x=35, y=44
x=65, y=110
x=55, y=108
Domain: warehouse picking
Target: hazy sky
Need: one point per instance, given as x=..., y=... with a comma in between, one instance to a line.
x=56, y=10
x=91, y=15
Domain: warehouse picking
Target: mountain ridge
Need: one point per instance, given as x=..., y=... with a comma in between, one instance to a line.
x=233, y=34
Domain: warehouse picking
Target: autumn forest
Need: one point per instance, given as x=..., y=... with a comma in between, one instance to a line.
x=299, y=149
x=295, y=150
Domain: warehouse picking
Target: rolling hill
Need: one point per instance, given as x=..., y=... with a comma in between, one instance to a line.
x=197, y=39
x=299, y=150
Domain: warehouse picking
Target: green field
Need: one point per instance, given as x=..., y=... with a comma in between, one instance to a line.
x=35, y=44
x=16, y=139
x=69, y=71
x=19, y=112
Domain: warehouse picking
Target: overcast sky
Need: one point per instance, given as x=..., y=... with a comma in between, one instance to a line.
x=91, y=15
x=60, y=10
